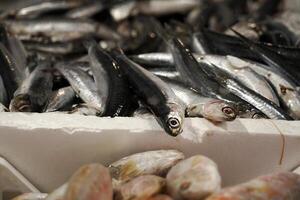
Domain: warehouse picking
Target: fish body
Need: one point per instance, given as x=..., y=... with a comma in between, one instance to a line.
x=35, y=91
x=83, y=85
x=156, y=94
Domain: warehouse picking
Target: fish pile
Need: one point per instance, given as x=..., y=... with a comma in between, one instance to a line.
x=167, y=175
x=217, y=59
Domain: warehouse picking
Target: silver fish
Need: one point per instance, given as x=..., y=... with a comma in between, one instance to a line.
x=156, y=94
x=61, y=99
x=146, y=163
x=34, y=92
x=83, y=85
x=58, y=30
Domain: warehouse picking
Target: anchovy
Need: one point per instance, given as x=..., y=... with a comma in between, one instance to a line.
x=270, y=109
x=58, y=30
x=34, y=92
x=156, y=94
x=83, y=85
x=118, y=100
x=61, y=99
x=275, y=61
x=242, y=71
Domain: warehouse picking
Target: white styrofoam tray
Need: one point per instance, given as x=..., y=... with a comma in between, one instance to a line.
x=48, y=148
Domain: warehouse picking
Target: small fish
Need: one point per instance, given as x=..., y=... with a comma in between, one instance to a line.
x=142, y=187
x=107, y=71
x=61, y=99
x=31, y=196
x=35, y=91
x=156, y=94
x=83, y=85
x=58, y=30
x=146, y=163
x=90, y=182
x=282, y=185
x=194, y=178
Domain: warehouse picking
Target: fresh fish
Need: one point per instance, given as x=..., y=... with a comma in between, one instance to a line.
x=61, y=99
x=156, y=94
x=146, y=163
x=267, y=107
x=194, y=75
x=109, y=79
x=275, y=61
x=194, y=178
x=158, y=60
x=90, y=182
x=83, y=85
x=58, y=30
x=86, y=11
x=142, y=187
x=35, y=91
x=83, y=109
x=199, y=106
x=289, y=96
x=59, y=193
x=243, y=73
x=31, y=196
x=282, y=185
x=142, y=112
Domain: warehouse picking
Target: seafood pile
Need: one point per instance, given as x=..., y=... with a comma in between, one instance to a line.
x=217, y=59
x=167, y=175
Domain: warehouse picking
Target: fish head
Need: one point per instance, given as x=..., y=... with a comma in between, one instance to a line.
x=20, y=103
x=219, y=111
x=174, y=120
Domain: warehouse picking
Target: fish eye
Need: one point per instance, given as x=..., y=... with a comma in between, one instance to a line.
x=228, y=111
x=173, y=123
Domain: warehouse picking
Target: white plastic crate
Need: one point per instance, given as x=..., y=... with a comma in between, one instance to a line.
x=48, y=148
